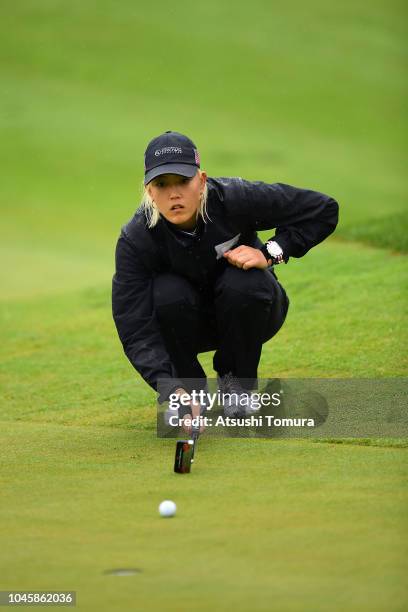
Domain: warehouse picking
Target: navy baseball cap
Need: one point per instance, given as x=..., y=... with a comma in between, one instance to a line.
x=171, y=153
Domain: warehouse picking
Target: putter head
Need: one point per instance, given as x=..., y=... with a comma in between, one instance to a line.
x=184, y=456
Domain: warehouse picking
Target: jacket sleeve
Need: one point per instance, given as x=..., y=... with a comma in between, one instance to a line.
x=302, y=218
x=133, y=313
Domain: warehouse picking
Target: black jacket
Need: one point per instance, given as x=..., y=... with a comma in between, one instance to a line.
x=237, y=209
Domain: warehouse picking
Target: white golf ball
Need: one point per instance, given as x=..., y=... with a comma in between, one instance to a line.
x=167, y=508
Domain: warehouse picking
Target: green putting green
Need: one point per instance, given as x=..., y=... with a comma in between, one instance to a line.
x=260, y=524
x=307, y=94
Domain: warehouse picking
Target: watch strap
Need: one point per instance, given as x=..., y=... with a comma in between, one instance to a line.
x=266, y=253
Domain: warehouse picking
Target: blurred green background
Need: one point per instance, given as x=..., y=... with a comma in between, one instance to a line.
x=312, y=94
x=309, y=94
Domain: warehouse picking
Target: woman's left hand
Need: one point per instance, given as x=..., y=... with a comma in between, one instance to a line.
x=246, y=257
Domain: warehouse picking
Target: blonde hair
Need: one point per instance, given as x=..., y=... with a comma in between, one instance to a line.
x=152, y=212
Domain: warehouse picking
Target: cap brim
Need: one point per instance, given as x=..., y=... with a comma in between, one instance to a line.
x=188, y=170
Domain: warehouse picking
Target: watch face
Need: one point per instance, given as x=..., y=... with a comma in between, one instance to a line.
x=274, y=249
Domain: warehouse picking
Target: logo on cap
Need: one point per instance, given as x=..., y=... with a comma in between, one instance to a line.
x=165, y=150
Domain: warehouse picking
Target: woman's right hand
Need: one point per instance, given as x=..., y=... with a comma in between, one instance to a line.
x=195, y=410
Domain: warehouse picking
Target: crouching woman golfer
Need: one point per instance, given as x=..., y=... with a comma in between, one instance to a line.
x=193, y=276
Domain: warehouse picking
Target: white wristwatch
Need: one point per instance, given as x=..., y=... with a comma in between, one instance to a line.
x=275, y=252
